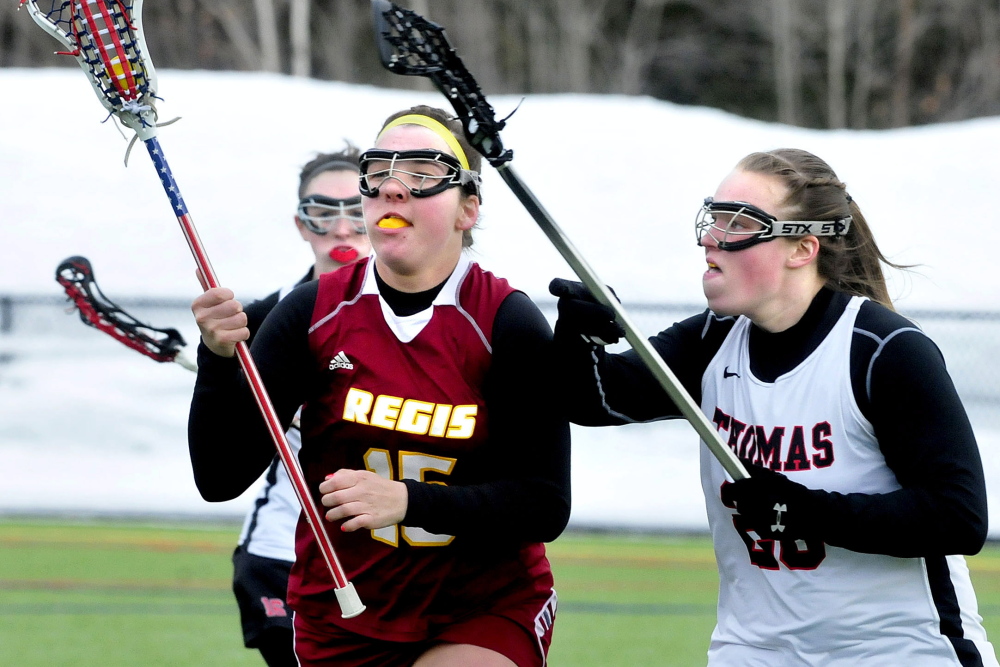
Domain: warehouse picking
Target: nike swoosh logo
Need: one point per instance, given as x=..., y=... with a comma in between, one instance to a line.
x=726, y=374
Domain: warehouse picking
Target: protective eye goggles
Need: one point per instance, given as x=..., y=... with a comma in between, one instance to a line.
x=424, y=173
x=736, y=225
x=320, y=214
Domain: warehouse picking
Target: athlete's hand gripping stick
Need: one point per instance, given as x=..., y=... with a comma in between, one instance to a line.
x=774, y=506
x=580, y=313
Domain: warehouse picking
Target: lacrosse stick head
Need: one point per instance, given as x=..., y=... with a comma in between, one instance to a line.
x=76, y=276
x=105, y=37
x=403, y=45
x=410, y=45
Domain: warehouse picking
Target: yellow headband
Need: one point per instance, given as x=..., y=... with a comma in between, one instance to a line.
x=434, y=126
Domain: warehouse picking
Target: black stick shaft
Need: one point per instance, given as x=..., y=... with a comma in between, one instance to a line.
x=654, y=362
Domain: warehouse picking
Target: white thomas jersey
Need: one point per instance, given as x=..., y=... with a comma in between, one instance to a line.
x=269, y=528
x=791, y=603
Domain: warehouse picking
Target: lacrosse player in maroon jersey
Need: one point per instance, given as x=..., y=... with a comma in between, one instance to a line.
x=845, y=545
x=329, y=218
x=427, y=432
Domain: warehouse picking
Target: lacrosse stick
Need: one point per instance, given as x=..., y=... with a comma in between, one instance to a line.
x=105, y=37
x=96, y=310
x=409, y=44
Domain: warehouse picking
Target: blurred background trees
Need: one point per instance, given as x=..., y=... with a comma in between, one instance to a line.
x=814, y=63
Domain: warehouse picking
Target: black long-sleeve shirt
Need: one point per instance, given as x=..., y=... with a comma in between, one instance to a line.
x=529, y=497
x=900, y=383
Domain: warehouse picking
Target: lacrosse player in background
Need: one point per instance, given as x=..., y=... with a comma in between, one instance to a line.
x=844, y=546
x=329, y=218
x=424, y=382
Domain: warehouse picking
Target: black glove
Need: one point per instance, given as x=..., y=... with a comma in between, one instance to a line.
x=774, y=506
x=580, y=313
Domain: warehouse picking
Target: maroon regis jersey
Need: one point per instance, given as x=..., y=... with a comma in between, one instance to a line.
x=402, y=397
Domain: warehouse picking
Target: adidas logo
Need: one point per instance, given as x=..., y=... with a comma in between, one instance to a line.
x=341, y=361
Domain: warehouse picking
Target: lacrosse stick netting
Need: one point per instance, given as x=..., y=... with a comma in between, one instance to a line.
x=76, y=276
x=105, y=37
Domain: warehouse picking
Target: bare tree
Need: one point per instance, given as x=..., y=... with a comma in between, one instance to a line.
x=267, y=35
x=541, y=51
x=816, y=63
x=579, y=24
x=231, y=18
x=421, y=7
x=836, y=96
x=298, y=34
x=335, y=30
x=788, y=84
x=905, y=37
x=989, y=62
x=15, y=52
x=864, y=64
x=973, y=75
x=639, y=45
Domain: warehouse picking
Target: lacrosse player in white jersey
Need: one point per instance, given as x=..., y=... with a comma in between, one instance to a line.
x=329, y=218
x=845, y=545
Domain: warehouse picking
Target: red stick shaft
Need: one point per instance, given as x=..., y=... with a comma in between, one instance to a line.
x=114, y=53
x=292, y=466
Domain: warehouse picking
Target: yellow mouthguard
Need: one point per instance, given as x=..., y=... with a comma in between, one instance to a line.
x=393, y=223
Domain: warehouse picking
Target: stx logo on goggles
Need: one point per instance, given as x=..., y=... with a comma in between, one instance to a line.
x=736, y=225
x=819, y=228
x=410, y=415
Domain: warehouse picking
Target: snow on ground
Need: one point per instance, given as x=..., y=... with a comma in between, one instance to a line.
x=87, y=425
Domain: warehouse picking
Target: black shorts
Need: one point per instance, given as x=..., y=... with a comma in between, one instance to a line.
x=261, y=586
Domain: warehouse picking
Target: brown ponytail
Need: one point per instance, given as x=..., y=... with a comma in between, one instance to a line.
x=851, y=263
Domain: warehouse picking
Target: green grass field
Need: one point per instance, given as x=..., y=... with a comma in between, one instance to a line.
x=121, y=593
